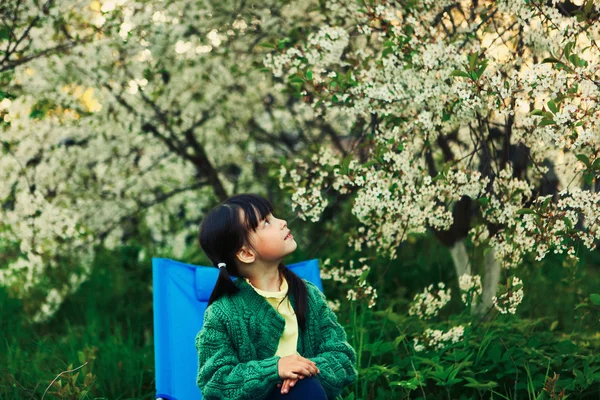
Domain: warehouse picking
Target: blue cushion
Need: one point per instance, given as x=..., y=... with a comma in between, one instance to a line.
x=181, y=292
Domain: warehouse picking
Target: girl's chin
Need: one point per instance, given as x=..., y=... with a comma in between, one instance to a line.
x=294, y=246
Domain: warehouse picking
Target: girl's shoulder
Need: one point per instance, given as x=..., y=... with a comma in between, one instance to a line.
x=314, y=293
x=310, y=286
x=220, y=308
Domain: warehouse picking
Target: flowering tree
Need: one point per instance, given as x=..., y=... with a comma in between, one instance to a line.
x=473, y=120
x=158, y=111
x=23, y=24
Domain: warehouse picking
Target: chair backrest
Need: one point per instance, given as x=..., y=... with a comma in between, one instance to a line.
x=180, y=293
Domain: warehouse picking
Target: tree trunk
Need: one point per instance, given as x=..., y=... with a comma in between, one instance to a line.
x=491, y=279
x=462, y=264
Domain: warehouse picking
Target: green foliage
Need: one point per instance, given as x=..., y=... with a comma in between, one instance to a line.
x=474, y=69
x=107, y=324
x=507, y=357
x=66, y=385
x=547, y=351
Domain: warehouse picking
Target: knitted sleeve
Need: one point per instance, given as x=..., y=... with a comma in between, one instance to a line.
x=220, y=373
x=335, y=358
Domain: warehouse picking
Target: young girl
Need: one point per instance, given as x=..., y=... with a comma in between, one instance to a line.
x=270, y=334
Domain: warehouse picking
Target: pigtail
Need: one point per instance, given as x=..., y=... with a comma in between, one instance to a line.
x=224, y=285
x=297, y=287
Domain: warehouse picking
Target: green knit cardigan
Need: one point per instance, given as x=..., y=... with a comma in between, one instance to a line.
x=237, y=343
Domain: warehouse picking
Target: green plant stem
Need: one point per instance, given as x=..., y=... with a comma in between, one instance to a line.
x=378, y=339
x=362, y=331
x=354, y=335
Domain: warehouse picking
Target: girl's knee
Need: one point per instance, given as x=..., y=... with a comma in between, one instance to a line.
x=307, y=388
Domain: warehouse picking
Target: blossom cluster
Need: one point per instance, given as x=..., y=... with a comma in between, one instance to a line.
x=437, y=339
x=391, y=202
x=428, y=304
x=341, y=273
x=360, y=291
x=551, y=226
x=470, y=288
x=513, y=296
x=323, y=49
x=363, y=292
x=334, y=305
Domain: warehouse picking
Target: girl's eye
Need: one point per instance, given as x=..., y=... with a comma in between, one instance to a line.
x=267, y=222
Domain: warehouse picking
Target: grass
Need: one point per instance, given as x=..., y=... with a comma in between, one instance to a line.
x=108, y=323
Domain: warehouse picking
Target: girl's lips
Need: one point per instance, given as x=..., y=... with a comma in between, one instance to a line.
x=289, y=236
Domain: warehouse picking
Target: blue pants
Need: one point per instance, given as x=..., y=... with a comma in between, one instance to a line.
x=308, y=388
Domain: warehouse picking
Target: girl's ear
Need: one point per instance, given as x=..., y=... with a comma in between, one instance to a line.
x=245, y=255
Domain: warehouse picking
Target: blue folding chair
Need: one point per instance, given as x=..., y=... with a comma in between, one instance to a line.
x=181, y=292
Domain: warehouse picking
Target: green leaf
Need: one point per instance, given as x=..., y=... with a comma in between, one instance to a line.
x=546, y=202
x=472, y=60
x=479, y=385
x=346, y=162
x=546, y=122
x=282, y=42
x=574, y=58
x=595, y=298
x=450, y=382
x=463, y=74
x=486, y=251
x=364, y=275
x=481, y=69
x=584, y=159
x=4, y=32
x=568, y=222
x=550, y=60
x=567, y=50
x=405, y=384
x=552, y=106
x=268, y=45
x=523, y=211
x=537, y=112
x=495, y=352
x=309, y=74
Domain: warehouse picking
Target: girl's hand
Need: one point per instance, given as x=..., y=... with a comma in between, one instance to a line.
x=288, y=384
x=295, y=366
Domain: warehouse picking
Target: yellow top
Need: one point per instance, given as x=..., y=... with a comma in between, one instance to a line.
x=289, y=339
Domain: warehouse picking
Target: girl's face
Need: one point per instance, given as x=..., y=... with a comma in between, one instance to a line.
x=272, y=239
